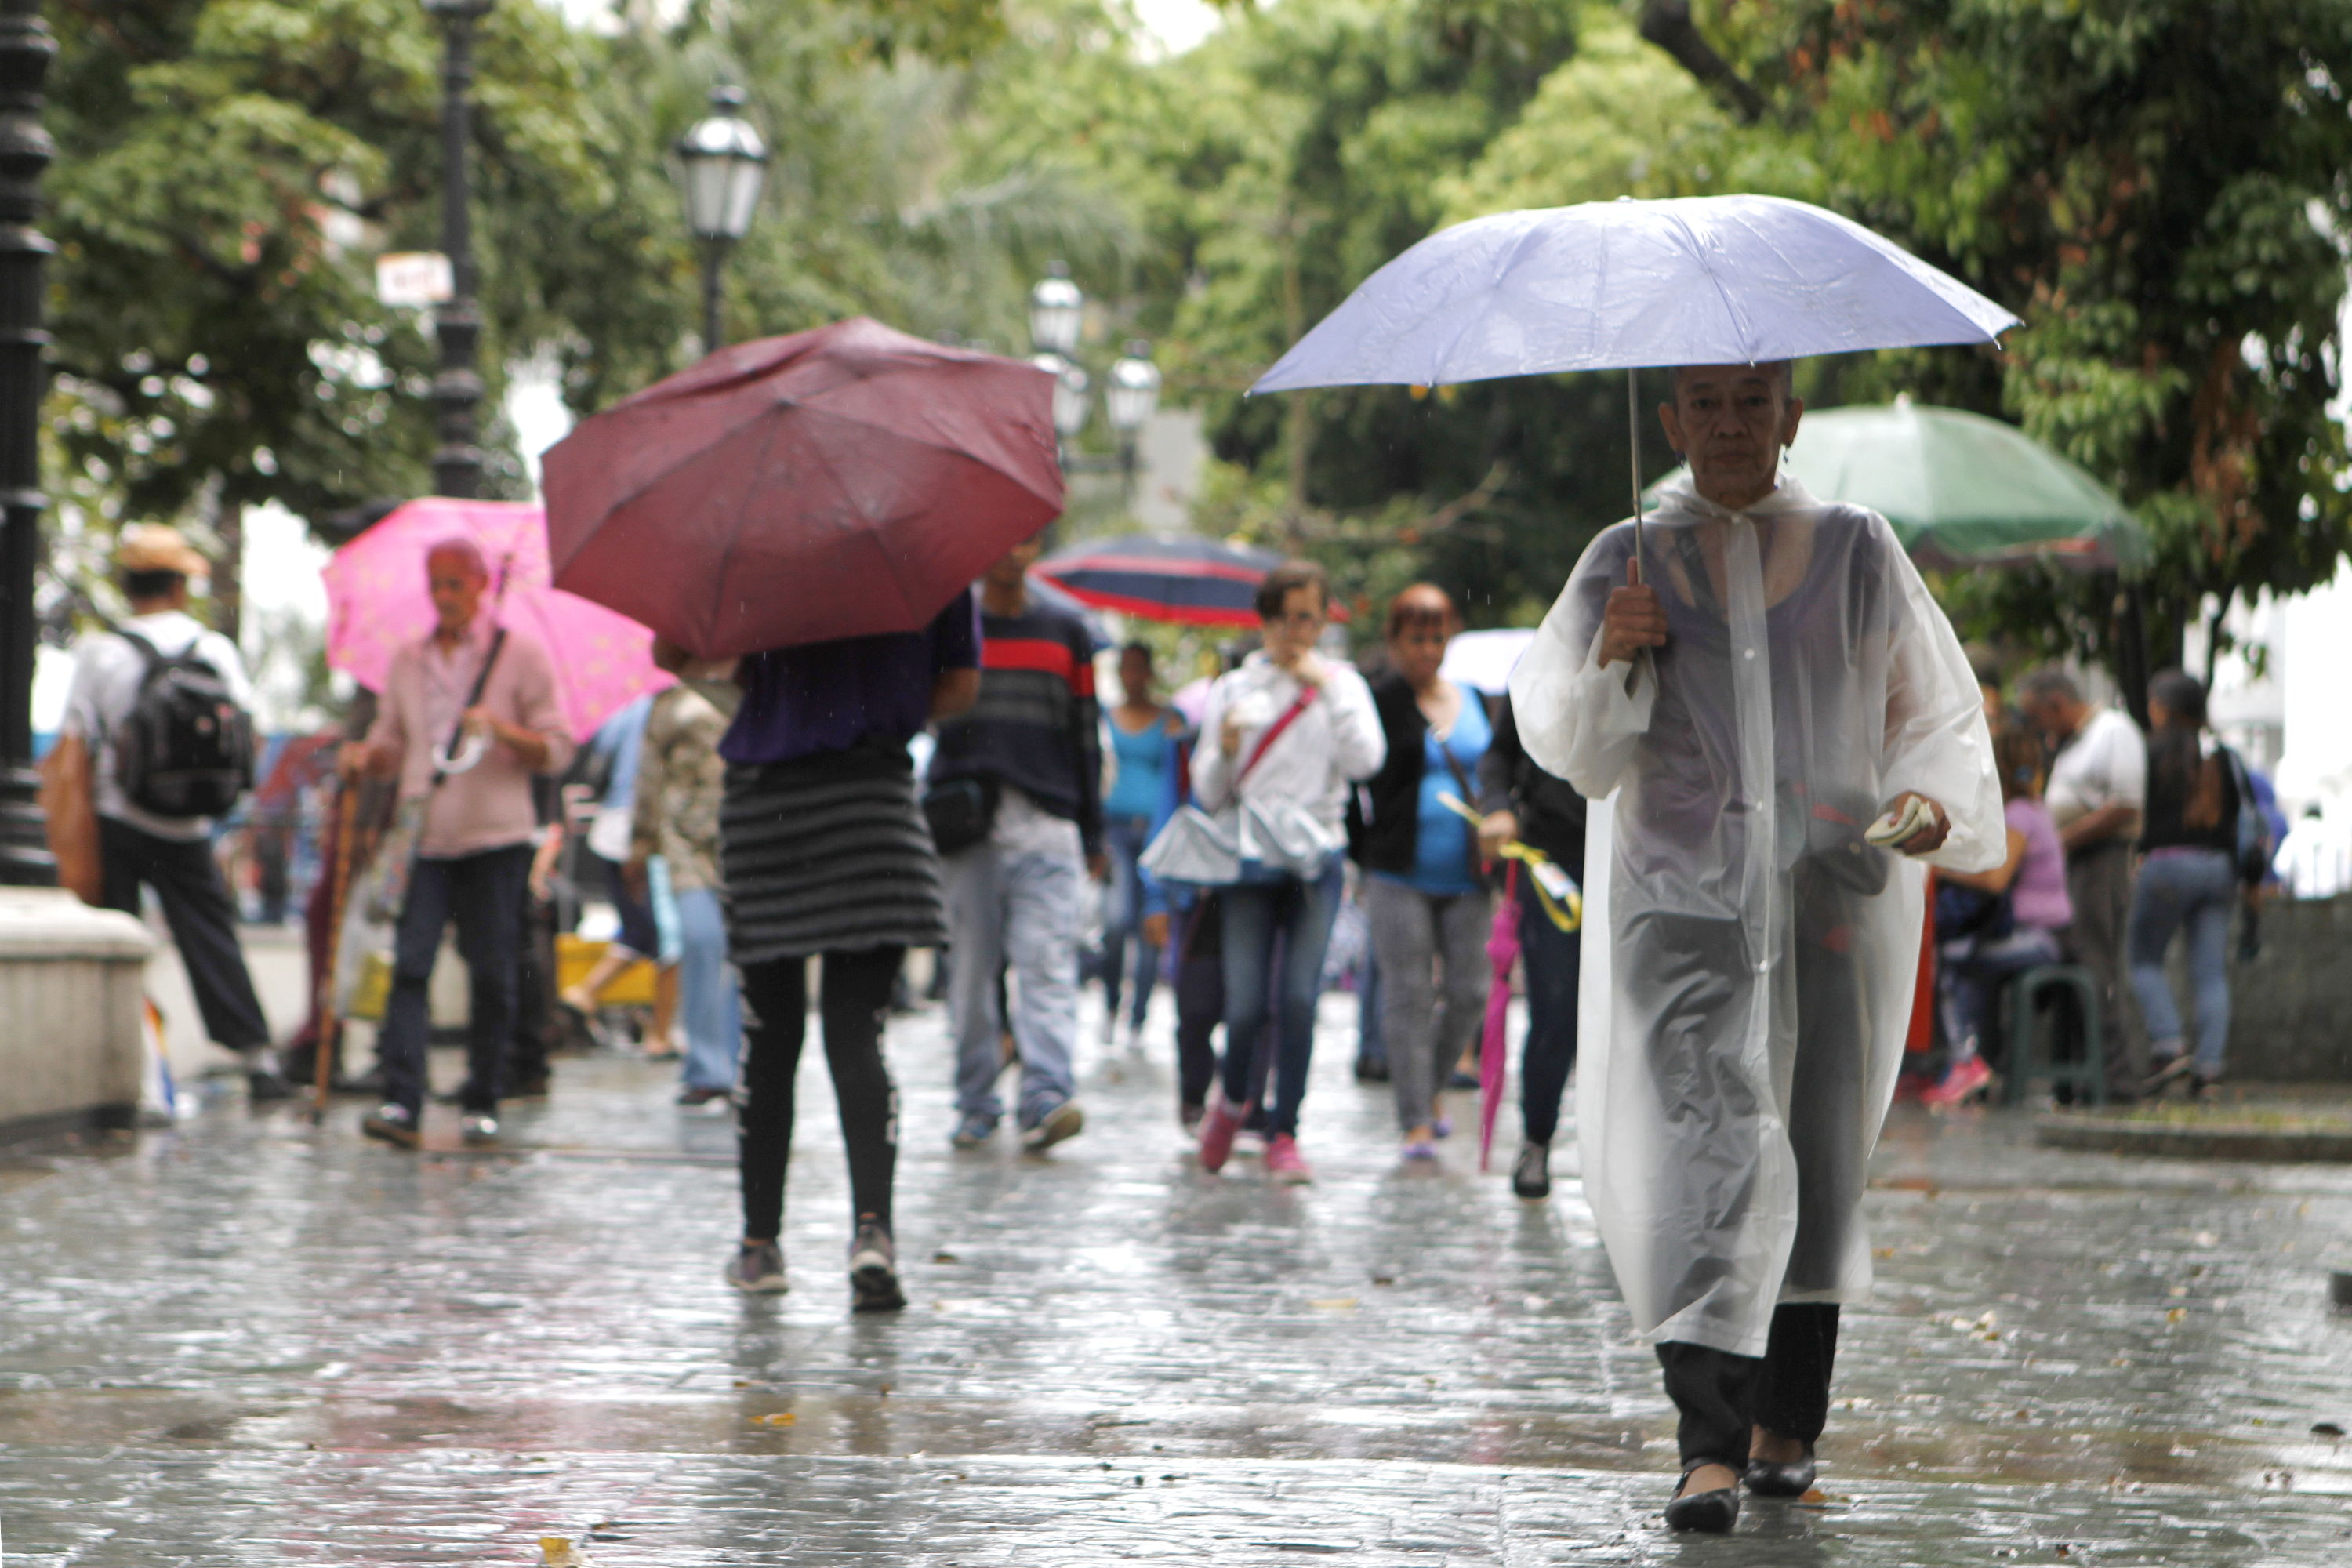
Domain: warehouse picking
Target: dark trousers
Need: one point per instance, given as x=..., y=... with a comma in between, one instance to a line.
x=855, y=1005
x=2099, y=886
x=1554, y=960
x=534, y=1030
x=203, y=917
x=1298, y=914
x=1721, y=1396
x=1200, y=998
x=484, y=893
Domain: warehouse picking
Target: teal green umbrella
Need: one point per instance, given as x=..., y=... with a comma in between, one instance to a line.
x=1963, y=490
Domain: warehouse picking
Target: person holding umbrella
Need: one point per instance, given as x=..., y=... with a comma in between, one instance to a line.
x=469, y=713
x=823, y=852
x=1764, y=690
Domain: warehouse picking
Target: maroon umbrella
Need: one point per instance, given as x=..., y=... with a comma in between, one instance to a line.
x=829, y=484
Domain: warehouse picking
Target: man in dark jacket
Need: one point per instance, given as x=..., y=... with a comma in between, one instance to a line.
x=1523, y=802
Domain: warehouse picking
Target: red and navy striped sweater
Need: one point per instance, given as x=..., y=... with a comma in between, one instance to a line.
x=1037, y=725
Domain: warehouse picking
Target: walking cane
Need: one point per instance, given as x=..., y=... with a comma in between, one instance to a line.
x=338, y=888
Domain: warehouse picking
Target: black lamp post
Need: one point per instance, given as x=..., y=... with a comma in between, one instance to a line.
x=25, y=51
x=457, y=389
x=722, y=164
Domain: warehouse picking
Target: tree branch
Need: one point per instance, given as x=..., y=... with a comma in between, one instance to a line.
x=1668, y=24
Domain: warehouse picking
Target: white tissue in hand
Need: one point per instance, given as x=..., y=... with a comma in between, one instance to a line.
x=1895, y=827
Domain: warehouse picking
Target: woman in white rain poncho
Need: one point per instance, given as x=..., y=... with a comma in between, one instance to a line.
x=1749, y=959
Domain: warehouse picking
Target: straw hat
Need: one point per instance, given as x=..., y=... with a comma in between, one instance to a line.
x=151, y=547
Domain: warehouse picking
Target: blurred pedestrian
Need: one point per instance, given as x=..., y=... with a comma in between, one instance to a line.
x=1993, y=925
x=1285, y=737
x=2098, y=789
x=1143, y=732
x=674, y=833
x=615, y=751
x=2195, y=872
x=1545, y=812
x=1016, y=803
x=1764, y=686
x=469, y=713
x=2314, y=860
x=1424, y=887
x=147, y=697
x=823, y=853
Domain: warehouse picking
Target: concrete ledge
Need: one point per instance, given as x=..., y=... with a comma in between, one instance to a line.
x=2218, y=1140
x=70, y=1040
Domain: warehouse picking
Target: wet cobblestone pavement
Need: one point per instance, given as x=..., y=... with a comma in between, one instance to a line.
x=247, y=1342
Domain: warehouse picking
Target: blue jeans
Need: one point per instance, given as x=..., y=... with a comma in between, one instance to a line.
x=1300, y=913
x=1125, y=838
x=2195, y=890
x=1023, y=909
x=1554, y=961
x=709, y=1004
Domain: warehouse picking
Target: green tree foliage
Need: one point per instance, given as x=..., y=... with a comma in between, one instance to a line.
x=228, y=171
x=1272, y=168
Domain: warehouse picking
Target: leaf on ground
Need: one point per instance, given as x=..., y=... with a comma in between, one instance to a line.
x=1335, y=1304
x=779, y=1418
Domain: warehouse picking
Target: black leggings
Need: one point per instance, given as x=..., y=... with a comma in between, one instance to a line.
x=855, y=1005
x=1786, y=1391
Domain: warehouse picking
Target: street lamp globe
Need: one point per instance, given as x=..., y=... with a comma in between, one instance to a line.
x=724, y=164
x=1071, y=404
x=1134, y=390
x=1056, y=310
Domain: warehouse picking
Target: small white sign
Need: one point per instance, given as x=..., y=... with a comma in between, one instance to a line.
x=413, y=278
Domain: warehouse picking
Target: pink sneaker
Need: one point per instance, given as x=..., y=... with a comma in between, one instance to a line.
x=1218, y=1125
x=1285, y=1164
x=1963, y=1083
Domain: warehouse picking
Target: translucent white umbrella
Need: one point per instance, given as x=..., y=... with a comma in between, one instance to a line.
x=1619, y=285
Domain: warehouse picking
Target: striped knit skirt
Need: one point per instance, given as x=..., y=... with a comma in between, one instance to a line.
x=828, y=854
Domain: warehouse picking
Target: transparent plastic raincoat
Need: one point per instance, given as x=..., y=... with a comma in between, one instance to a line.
x=1749, y=959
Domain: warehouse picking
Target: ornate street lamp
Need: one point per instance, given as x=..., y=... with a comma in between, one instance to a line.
x=25, y=51
x=1134, y=390
x=458, y=324
x=722, y=164
x=1056, y=311
x=1132, y=394
x=1071, y=404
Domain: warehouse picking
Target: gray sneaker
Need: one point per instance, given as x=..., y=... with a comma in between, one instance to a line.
x=1531, y=1172
x=1065, y=1120
x=758, y=1270
x=874, y=1270
x=478, y=1130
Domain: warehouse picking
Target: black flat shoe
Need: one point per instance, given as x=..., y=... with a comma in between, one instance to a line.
x=1713, y=1514
x=1766, y=1479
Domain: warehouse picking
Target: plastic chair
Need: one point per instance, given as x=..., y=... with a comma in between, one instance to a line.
x=2035, y=1043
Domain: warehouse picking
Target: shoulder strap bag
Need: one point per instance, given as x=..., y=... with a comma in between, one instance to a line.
x=1198, y=849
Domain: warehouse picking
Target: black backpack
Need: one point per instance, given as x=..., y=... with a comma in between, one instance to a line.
x=186, y=749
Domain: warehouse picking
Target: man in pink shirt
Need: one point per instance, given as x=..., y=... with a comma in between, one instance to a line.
x=469, y=714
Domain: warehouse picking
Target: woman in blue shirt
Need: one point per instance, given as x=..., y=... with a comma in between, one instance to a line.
x=1143, y=732
x=1422, y=889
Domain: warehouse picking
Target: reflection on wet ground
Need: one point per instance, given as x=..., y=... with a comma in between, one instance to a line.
x=243, y=1341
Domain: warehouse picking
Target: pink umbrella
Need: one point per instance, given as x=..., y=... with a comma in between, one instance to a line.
x=377, y=604
x=1502, y=951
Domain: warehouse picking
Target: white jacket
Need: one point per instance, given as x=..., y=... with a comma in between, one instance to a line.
x=1337, y=741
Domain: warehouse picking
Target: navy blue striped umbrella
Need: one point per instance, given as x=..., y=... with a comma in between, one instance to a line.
x=1181, y=577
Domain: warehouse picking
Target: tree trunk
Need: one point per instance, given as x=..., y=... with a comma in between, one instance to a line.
x=229, y=572
x=1668, y=24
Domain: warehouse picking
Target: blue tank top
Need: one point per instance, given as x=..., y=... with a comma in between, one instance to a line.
x=1142, y=768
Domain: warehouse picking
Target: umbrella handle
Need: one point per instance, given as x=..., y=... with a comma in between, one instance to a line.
x=1633, y=450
